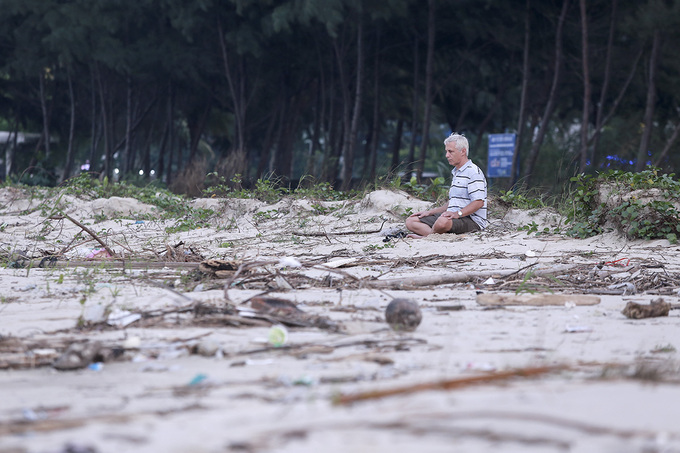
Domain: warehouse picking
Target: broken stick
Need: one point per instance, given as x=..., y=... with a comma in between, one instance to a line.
x=85, y=229
x=449, y=384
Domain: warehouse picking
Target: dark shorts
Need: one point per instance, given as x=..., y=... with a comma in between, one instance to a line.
x=458, y=226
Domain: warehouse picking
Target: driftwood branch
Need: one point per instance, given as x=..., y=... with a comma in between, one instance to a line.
x=85, y=229
x=460, y=277
x=449, y=384
x=342, y=233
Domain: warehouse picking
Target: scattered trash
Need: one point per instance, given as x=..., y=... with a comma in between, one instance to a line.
x=122, y=318
x=530, y=253
x=94, y=314
x=628, y=287
x=450, y=307
x=577, y=329
x=340, y=262
x=490, y=281
x=306, y=381
x=278, y=336
x=403, y=315
x=29, y=287
x=77, y=355
x=480, y=366
x=656, y=308
x=97, y=253
x=619, y=262
x=397, y=235
x=289, y=261
x=198, y=379
x=282, y=283
x=132, y=343
x=97, y=366
x=74, y=448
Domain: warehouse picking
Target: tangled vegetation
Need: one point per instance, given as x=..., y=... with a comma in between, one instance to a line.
x=641, y=205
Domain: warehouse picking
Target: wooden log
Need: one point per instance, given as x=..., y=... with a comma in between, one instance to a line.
x=461, y=277
x=537, y=300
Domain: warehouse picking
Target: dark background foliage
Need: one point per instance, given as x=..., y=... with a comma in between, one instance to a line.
x=343, y=90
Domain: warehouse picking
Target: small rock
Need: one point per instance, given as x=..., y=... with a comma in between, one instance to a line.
x=207, y=348
x=656, y=308
x=403, y=315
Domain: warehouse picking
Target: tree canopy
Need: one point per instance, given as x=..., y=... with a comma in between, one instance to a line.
x=341, y=90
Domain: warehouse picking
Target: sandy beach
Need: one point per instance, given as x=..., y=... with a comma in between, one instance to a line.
x=170, y=345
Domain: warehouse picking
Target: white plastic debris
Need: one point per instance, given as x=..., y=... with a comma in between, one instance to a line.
x=289, y=261
x=530, y=253
x=333, y=264
x=132, y=343
x=122, y=318
x=490, y=281
x=577, y=329
x=278, y=336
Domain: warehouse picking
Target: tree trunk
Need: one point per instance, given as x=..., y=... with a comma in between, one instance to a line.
x=94, y=141
x=601, y=123
x=651, y=100
x=552, y=98
x=263, y=165
x=162, y=149
x=429, y=70
x=68, y=166
x=396, y=145
x=124, y=158
x=238, y=97
x=377, y=120
x=45, y=115
x=599, y=116
x=523, y=100
x=351, y=144
x=105, y=125
x=310, y=167
x=585, y=120
x=411, y=159
x=669, y=144
x=196, y=124
x=10, y=148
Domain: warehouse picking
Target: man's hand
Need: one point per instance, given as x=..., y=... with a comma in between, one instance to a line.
x=450, y=215
x=420, y=214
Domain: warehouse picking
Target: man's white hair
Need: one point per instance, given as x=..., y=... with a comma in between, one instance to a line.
x=459, y=141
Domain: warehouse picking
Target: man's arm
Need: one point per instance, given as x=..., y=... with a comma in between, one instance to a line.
x=429, y=212
x=471, y=208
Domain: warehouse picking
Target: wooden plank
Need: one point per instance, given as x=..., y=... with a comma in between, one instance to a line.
x=537, y=300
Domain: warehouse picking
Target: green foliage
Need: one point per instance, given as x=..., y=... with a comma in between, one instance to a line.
x=640, y=205
x=520, y=201
x=436, y=190
x=272, y=190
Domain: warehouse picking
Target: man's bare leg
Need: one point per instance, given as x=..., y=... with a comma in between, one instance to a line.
x=419, y=229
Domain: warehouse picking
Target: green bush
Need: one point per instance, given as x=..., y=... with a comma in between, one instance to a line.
x=587, y=213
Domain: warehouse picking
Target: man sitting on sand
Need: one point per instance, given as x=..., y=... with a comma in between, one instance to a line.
x=466, y=209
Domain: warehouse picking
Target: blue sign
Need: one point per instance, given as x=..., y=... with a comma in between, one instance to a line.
x=501, y=152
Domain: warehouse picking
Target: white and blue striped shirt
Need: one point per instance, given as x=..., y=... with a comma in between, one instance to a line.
x=467, y=185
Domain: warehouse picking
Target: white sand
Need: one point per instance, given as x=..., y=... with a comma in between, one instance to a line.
x=282, y=399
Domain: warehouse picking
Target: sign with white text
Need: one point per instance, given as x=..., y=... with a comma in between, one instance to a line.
x=501, y=152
